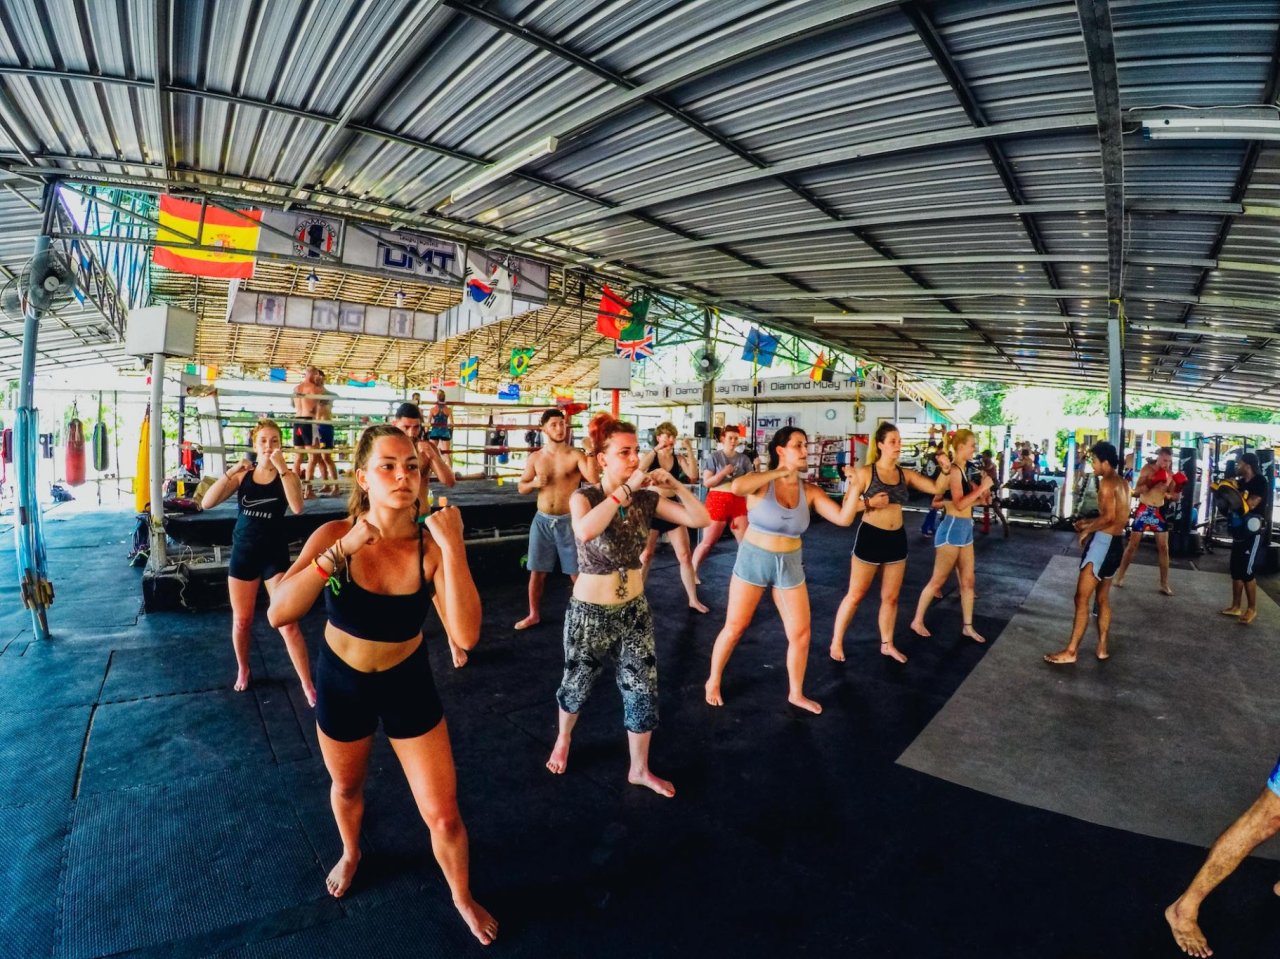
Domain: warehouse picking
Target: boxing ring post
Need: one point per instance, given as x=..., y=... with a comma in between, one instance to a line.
x=157, y=558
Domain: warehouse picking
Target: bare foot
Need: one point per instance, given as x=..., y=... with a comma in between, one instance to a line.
x=1059, y=659
x=1165, y=590
x=1118, y=583
x=1186, y=933
x=533, y=619
x=713, y=694
x=242, y=682
x=918, y=628
x=700, y=607
x=459, y=656
x=804, y=702
x=973, y=634
x=837, y=651
x=892, y=651
x=1248, y=616
x=310, y=693
x=340, y=876
x=645, y=778
x=559, y=760
x=483, y=926
x=1230, y=611
x=1102, y=653
x=937, y=594
x=697, y=580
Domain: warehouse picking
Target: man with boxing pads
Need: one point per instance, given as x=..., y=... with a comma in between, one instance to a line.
x=1248, y=537
x=1157, y=485
x=1103, y=542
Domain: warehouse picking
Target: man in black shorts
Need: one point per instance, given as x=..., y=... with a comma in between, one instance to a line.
x=1247, y=542
x=1103, y=542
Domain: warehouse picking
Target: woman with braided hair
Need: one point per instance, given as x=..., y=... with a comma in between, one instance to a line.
x=379, y=573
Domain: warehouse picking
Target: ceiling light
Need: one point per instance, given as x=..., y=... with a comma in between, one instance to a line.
x=496, y=171
x=399, y=298
x=1261, y=124
x=312, y=281
x=1085, y=268
x=856, y=319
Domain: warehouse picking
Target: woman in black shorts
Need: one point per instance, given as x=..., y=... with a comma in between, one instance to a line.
x=681, y=465
x=259, y=544
x=379, y=572
x=881, y=540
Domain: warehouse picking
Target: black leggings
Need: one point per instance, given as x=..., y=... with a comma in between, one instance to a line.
x=349, y=703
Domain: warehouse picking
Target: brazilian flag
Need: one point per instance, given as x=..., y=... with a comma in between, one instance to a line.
x=520, y=361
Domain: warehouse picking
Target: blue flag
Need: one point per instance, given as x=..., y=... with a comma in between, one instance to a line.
x=760, y=348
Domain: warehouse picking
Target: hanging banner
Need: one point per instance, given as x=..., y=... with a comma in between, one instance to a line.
x=235, y=236
x=305, y=234
x=529, y=279
x=328, y=316
x=417, y=255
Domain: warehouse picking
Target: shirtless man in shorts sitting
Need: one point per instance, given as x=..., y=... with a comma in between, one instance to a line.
x=1103, y=542
x=1157, y=485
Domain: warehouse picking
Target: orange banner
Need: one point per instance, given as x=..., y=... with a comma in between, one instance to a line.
x=180, y=223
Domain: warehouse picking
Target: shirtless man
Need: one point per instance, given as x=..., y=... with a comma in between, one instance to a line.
x=322, y=436
x=555, y=471
x=1259, y=823
x=304, y=432
x=1157, y=485
x=992, y=504
x=409, y=419
x=1103, y=542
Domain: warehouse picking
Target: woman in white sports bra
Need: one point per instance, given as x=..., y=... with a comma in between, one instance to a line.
x=769, y=557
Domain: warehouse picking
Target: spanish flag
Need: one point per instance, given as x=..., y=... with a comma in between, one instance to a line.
x=180, y=223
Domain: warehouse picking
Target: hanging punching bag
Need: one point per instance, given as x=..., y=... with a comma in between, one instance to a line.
x=75, y=453
x=142, y=480
x=101, y=453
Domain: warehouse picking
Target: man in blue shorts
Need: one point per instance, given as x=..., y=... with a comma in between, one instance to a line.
x=1259, y=823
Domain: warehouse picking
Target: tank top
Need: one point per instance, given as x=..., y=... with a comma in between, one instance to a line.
x=966, y=487
x=620, y=545
x=770, y=516
x=439, y=415
x=380, y=617
x=899, y=492
x=262, y=507
x=677, y=471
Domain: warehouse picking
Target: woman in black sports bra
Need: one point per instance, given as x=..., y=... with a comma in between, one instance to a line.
x=681, y=465
x=260, y=545
x=881, y=541
x=380, y=572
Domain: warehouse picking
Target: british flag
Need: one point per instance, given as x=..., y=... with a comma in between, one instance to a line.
x=636, y=349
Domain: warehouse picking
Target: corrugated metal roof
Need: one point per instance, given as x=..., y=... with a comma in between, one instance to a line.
x=784, y=160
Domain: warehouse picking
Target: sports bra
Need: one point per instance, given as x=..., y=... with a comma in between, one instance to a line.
x=966, y=487
x=770, y=516
x=677, y=471
x=379, y=617
x=441, y=415
x=262, y=506
x=899, y=492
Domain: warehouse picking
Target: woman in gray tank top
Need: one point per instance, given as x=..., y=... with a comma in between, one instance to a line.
x=778, y=505
x=880, y=541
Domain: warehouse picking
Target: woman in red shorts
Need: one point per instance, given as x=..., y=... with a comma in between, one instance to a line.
x=719, y=471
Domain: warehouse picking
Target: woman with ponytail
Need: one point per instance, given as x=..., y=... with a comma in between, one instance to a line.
x=881, y=541
x=379, y=573
x=769, y=557
x=259, y=544
x=608, y=616
x=953, y=539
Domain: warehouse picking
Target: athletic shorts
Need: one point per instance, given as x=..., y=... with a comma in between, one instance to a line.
x=551, y=537
x=1149, y=519
x=1274, y=782
x=877, y=546
x=301, y=435
x=763, y=567
x=1246, y=550
x=953, y=531
x=349, y=703
x=440, y=433
x=325, y=433
x=258, y=559
x=1104, y=551
x=724, y=507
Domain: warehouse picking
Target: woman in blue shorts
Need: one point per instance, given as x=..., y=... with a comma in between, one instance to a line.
x=953, y=539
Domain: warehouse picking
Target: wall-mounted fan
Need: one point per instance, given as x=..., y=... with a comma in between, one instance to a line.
x=706, y=365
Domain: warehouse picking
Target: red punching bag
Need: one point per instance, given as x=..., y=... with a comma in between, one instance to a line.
x=75, y=453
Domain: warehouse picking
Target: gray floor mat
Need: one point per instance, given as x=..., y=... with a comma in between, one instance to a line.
x=39, y=754
x=1172, y=737
x=33, y=838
